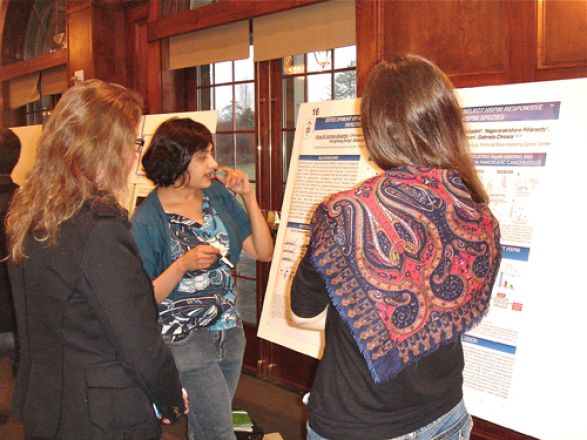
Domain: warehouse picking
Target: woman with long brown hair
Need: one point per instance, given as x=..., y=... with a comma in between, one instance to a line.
x=92, y=361
x=403, y=265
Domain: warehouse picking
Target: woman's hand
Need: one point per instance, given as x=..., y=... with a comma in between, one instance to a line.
x=186, y=405
x=199, y=258
x=235, y=180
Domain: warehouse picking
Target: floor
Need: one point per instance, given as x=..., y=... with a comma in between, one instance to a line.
x=273, y=408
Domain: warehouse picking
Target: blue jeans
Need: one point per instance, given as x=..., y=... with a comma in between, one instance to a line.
x=209, y=365
x=454, y=425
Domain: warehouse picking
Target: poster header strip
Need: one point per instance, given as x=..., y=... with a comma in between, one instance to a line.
x=536, y=111
x=331, y=157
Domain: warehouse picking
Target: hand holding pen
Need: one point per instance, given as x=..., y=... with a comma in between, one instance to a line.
x=201, y=257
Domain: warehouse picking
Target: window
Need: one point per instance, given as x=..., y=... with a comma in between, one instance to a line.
x=37, y=112
x=229, y=88
x=315, y=76
x=45, y=30
x=45, y=33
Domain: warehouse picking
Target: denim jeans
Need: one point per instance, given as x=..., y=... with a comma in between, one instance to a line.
x=454, y=425
x=209, y=365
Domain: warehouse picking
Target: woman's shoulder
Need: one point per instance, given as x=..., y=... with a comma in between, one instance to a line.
x=100, y=209
x=149, y=208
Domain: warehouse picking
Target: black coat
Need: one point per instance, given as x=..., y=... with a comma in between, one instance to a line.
x=7, y=322
x=92, y=358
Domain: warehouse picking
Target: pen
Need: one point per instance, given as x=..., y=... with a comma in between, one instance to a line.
x=222, y=257
x=227, y=262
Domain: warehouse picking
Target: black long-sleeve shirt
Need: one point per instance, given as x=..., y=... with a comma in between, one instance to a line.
x=345, y=403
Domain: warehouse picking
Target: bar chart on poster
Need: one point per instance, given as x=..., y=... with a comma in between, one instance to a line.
x=523, y=362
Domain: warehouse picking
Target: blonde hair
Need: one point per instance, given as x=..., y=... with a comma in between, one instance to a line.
x=411, y=117
x=81, y=158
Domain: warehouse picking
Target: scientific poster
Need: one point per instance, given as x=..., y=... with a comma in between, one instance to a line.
x=524, y=369
x=524, y=363
x=327, y=157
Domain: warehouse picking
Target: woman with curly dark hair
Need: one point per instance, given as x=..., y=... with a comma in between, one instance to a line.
x=190, y=232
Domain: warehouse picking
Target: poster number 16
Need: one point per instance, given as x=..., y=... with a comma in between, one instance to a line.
x=316, y=111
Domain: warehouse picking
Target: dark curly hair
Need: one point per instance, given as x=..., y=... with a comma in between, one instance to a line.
x=174, y=143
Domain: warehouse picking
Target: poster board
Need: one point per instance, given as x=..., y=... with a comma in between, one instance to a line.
x=524, y=366
x=524, y=363
x=29, y=137
x=328, y=156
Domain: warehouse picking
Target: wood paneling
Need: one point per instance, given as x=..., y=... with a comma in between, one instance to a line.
x=477, y=42
x=370, y=41
x=292, y=368
x=484, y=430
x=562, y=34
x=109, y=41
x=79, y=40
x=154, y=76
x=137, y=60
x=462, y=37
x=97, y=40
x=36, y=64
x=252, y=351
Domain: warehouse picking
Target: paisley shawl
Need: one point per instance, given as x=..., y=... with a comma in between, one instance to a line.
x=409, y=261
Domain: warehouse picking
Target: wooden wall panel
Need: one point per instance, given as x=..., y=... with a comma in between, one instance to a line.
x=369, y=28
x=462, y=37
x=562, y=34
x=137, y=51
x=79, y=40
x=109, y=41
x=478, y=42
x=97, y=40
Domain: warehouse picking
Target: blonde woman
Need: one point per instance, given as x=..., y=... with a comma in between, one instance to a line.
x=93, y=364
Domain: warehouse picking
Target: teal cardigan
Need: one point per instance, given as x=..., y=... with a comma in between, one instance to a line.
x=151, y=233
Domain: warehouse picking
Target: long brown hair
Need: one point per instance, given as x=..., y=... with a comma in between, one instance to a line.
x=411, y=117
x=81, y=158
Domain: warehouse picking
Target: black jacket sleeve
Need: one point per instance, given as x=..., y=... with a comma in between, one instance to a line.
x=308, y=291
